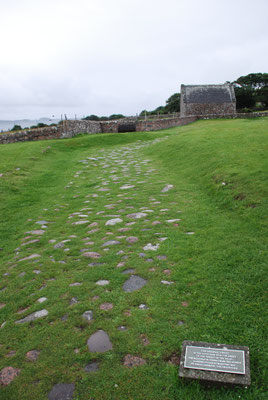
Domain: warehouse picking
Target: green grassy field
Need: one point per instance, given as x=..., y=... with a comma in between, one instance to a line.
x=217, y=275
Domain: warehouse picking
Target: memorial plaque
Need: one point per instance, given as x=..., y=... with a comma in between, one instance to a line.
x=215, y=363
x=211, y=359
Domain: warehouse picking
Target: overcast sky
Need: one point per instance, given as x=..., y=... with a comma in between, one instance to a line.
x=122, y=56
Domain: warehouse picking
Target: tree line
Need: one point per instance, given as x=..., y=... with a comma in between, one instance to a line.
x=112, y=117
x=251, y=93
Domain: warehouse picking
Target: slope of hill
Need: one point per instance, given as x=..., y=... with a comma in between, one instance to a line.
x=153, y=238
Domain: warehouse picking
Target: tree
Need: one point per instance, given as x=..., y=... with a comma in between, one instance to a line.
x=143, y=113
x=250, y=89
x=253, y=82
x=41, y=125
x=91, y=118
x=173, y=103
x=16, y=128
x=160, y=110
x=263, y=96
x=244, y=97
x=116, y=116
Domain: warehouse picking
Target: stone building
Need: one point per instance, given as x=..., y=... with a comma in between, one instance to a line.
x=207, y=100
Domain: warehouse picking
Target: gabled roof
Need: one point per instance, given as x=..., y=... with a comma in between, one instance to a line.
x=205, y=94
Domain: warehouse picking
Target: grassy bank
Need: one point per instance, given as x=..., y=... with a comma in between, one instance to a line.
x=217, y=274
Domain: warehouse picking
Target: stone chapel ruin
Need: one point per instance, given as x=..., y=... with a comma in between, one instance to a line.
x=207, y=100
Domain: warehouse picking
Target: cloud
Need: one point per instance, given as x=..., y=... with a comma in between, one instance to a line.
x=122, y=56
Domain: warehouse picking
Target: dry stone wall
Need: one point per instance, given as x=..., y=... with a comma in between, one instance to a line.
x=109, y=126
x=234, y=116
x=52, y=132
x=155, y=125
x=71, y=128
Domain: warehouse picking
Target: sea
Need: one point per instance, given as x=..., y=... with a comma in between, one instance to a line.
x=6, y=125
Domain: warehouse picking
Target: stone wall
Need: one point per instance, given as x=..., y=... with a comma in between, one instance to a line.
x=234, y=116
x=155, y=125
x=52, y=132
x=209, y=109
x=72, y=128
x=109, y=126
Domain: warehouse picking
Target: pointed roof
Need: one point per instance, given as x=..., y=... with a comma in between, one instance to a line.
x=207, y=94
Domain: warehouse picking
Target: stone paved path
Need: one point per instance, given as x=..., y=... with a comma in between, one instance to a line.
x=107, y=229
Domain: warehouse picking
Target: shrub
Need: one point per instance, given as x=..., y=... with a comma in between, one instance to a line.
x=16, y=128
x=41, y=125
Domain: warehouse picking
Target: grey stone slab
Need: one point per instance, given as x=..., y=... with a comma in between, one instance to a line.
x=132, y=239
x=110, y=243
x=92, y=254
x=128, y=271
x=99, y=342
x=215, y=360
x=167, y=188
x=30, y=242
x=59, y=245
x=127, y=187
x=114, y=221
x=137, y=215
x=95, y=264
x=122, y=328
x=61, y=391
x=88, y=315
x=102, y=282
x=33, y=316
x=143, y=307
x=36, y=232
x=73, y=301
x=135, y=282
x=92, y=367
x=150, y=246
x=80, y=223
x=31, y=257
x=42, y=300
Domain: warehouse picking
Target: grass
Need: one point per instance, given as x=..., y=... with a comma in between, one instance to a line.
x=219, y=172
